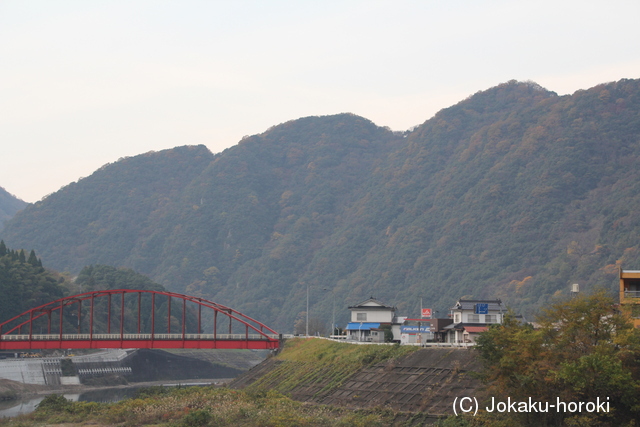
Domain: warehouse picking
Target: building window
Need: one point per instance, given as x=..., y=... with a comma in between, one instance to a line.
x=456, y=318
x=361, y=317
x=473, y=318
x=490, y=318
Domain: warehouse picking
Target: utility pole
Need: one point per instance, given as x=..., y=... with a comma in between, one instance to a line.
x=307, y=309
x=420, y=325
x=333, y=316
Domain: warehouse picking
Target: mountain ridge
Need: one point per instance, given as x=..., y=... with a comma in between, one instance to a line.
x=9, y=205
x=514, y=192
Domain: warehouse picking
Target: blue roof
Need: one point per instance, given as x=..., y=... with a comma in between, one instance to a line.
x=364, y=326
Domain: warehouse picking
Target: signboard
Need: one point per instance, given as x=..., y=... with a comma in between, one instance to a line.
x=426, y=313
x=482, y=308
x=415, y=329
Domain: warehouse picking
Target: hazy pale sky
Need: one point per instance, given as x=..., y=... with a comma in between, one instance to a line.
x=83, y=83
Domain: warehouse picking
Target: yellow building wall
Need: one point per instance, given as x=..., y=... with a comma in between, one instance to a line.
x=630, y=295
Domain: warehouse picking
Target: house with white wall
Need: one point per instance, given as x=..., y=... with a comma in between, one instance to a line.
x=470, y=317
x=367, y=318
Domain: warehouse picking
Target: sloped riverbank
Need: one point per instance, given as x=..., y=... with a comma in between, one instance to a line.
x=357, y=376
x=311, y=382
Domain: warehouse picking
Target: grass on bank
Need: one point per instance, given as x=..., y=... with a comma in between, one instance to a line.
x=329, y=364
x=264, y=403
x=204, y=406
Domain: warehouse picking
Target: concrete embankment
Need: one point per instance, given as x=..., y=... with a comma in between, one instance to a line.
x=117, y=367
x=425, y=380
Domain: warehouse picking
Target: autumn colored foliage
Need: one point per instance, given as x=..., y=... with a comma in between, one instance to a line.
x=583, y=349
x=513, y=193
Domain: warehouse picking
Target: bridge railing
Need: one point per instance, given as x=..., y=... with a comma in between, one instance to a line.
x=118, y=337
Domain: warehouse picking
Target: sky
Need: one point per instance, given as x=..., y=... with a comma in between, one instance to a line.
x=84, y=83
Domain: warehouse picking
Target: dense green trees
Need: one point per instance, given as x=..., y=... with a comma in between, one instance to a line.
x=584, y=350
x=24, y=283
x=104, y=277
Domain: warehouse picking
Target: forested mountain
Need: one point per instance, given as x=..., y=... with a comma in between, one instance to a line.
x=24, y=283
x=106, y=217
x=514, y=193
x=9, y=205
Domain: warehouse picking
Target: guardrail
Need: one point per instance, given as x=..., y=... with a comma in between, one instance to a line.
x=118, y=337
x=442, y=344
x=428, y=344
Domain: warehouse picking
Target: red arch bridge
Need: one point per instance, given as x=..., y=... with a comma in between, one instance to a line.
x=126, y=318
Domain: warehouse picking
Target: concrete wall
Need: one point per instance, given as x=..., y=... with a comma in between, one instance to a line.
x=47, y=371
x=27, y=371
x=70, y=380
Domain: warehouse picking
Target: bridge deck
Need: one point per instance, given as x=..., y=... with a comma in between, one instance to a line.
x=194, y=341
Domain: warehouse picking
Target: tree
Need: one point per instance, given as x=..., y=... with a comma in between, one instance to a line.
x=25, y=285
x=299, y=325
x=316, y=325
x=584, y=350
x=33, y=259
x=103, y=277
x=388, y=333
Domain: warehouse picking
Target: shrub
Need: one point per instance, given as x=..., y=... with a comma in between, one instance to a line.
x=197, y=418
x=54, y=403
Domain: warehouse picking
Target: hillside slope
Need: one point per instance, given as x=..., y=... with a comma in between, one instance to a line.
x=514, y=192
x=108, y=217
x=365, y=376
x=9, y=205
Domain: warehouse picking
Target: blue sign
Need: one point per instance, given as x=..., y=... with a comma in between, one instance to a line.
x=482, y=308
x=415, y=329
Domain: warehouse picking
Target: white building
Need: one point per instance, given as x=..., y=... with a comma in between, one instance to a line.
x=470, y=317
x=416, y=331
x=369, y=317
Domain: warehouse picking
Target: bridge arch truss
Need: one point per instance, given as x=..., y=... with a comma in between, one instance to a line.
x=126, y=318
